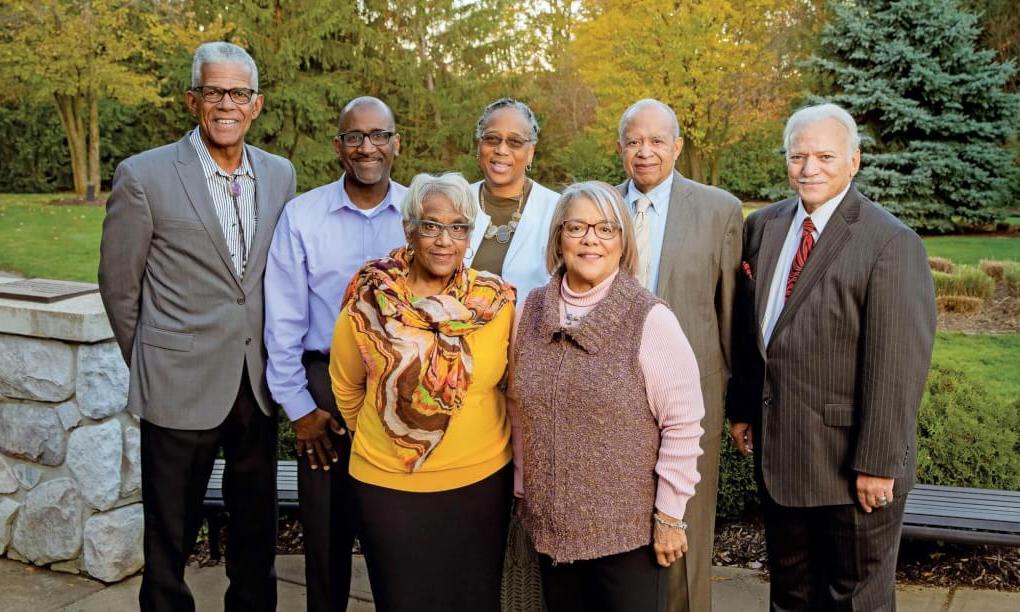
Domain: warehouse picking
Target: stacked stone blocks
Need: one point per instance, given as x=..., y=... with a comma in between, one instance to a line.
x=70, y=473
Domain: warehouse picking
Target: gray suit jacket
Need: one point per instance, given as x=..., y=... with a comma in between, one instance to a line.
x=186, y=324
x=697, y=278
x=837, y=389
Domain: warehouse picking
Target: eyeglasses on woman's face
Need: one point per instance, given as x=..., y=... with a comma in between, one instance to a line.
x=432, y=229
x=494, y=140
x=604, y=230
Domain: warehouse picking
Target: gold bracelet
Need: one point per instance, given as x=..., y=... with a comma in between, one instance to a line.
x=680, y=525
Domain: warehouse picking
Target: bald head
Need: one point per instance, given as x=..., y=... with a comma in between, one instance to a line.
x=652, y=106
x=368, y=102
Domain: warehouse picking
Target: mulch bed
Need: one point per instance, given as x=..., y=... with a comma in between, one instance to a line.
x=1001, y=314
x=742, y=544
x=98, y=202
x=921, y=562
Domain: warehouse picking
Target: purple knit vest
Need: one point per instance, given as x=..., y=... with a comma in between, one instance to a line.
x=590, y=440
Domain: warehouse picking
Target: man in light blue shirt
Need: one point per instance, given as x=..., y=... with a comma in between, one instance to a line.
x=323, y=237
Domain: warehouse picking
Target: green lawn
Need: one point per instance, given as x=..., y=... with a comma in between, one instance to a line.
x=991, y=360
x=40, y=240
x=972, y=249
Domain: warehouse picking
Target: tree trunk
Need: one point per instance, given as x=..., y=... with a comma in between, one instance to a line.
x=693, y=163
x=67, y=110
x=93, y=184
x=715, y=163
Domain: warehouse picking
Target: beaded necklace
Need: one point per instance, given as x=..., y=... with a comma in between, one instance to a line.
x=503, y=233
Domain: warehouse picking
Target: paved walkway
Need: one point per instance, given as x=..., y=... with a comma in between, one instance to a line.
x=30, y=589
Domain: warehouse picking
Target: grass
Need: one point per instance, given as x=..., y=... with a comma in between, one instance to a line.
x=40, y=240
x=972, y=249
x=992, y=361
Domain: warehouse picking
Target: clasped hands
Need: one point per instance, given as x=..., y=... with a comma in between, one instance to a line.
x=313, y=440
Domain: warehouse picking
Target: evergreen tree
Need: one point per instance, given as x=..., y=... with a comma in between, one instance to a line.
x=932, y=104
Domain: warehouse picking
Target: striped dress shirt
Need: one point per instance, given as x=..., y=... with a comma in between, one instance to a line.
x=237, y=214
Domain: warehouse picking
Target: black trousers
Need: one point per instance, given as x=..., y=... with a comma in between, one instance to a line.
x=436, y=552
x=175, y=471
x=626, y=582
x=832, y=558
x=327, y=505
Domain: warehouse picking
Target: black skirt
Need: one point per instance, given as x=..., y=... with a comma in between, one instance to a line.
x=438, y=551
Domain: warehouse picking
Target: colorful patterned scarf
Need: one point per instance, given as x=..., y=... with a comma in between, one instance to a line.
x=416, y=349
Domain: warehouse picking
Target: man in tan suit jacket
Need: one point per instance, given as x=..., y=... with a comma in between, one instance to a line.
x=692, y=264
x=835, y=330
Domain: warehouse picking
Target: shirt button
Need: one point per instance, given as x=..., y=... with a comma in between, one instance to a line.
x=247, y=341
x=240, y=301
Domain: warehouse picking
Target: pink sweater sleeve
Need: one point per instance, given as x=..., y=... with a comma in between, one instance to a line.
x=511, y=408
x=674, y=395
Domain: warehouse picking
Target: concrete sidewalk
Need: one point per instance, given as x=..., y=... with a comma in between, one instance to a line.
x=30, y=589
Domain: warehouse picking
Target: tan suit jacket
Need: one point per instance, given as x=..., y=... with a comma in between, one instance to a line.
x=698, y=271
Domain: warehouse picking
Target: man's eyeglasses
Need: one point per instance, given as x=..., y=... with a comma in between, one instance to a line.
x=213, y=95
x=604, y=230
x=354, y=139
x=494, y=140
x=432, y=229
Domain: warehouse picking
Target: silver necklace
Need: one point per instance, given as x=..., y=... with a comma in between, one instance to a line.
x=502, y=233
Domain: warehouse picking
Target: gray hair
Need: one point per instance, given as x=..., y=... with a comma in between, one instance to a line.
x=821, y=112
x=610, y=205
x=450, y=185
x=640, y=105
x=521, y=107
x=221, y=52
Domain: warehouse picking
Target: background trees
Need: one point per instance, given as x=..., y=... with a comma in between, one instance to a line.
x=933, y=105
x=73, y=70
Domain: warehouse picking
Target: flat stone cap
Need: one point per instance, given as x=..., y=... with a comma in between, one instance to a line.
x=77, y=319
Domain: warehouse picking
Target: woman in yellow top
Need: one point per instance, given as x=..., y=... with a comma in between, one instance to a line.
x=418, y=354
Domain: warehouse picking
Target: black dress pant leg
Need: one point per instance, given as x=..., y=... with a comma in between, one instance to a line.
x=249, y=492
x=832, y=558
x=175, y=471
x=630, y=581
x=176, y=465
x=327, y=507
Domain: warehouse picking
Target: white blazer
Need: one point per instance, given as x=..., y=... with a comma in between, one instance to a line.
x=524, y=265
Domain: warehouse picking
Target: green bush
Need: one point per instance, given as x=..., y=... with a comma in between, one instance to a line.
x=966, y=280
x=965, y=436
x=753, y=168
x=738, y=493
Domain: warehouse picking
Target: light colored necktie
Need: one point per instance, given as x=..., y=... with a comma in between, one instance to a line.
x=641, y=236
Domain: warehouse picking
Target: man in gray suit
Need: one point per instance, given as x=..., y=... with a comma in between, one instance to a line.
x=836, y=330
x=688, y=238
x=184, y=245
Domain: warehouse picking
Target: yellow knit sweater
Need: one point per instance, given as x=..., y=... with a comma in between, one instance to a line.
x=477, y=440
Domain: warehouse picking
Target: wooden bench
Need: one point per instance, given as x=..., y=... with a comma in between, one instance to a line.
x=215, y=510
x=958, y=514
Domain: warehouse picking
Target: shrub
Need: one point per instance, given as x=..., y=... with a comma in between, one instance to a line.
x=1011, y=277
x=940, y=264
x=738, y=492
x=958, y=304
x=965, y=436
x=966, y=280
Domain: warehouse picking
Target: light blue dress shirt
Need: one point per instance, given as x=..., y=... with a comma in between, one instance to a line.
x=656, y=216
x=320, y=241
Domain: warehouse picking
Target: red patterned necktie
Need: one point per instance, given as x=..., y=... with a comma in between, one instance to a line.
x=807, y=242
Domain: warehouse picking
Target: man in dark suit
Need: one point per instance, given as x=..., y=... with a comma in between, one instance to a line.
x=688, y=239
x=836, y=332
x=184, y=245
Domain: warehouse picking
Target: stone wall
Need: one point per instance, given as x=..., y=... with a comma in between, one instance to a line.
x=70, y=476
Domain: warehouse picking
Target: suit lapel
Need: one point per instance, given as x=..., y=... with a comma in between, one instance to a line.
x=189, y=169
x=837, y=231
x=773, y=237
x=676, y=237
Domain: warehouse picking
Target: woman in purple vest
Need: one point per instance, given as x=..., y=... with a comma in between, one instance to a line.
x=606, y=409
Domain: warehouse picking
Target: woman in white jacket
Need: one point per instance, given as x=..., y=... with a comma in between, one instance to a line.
x=512, y=229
